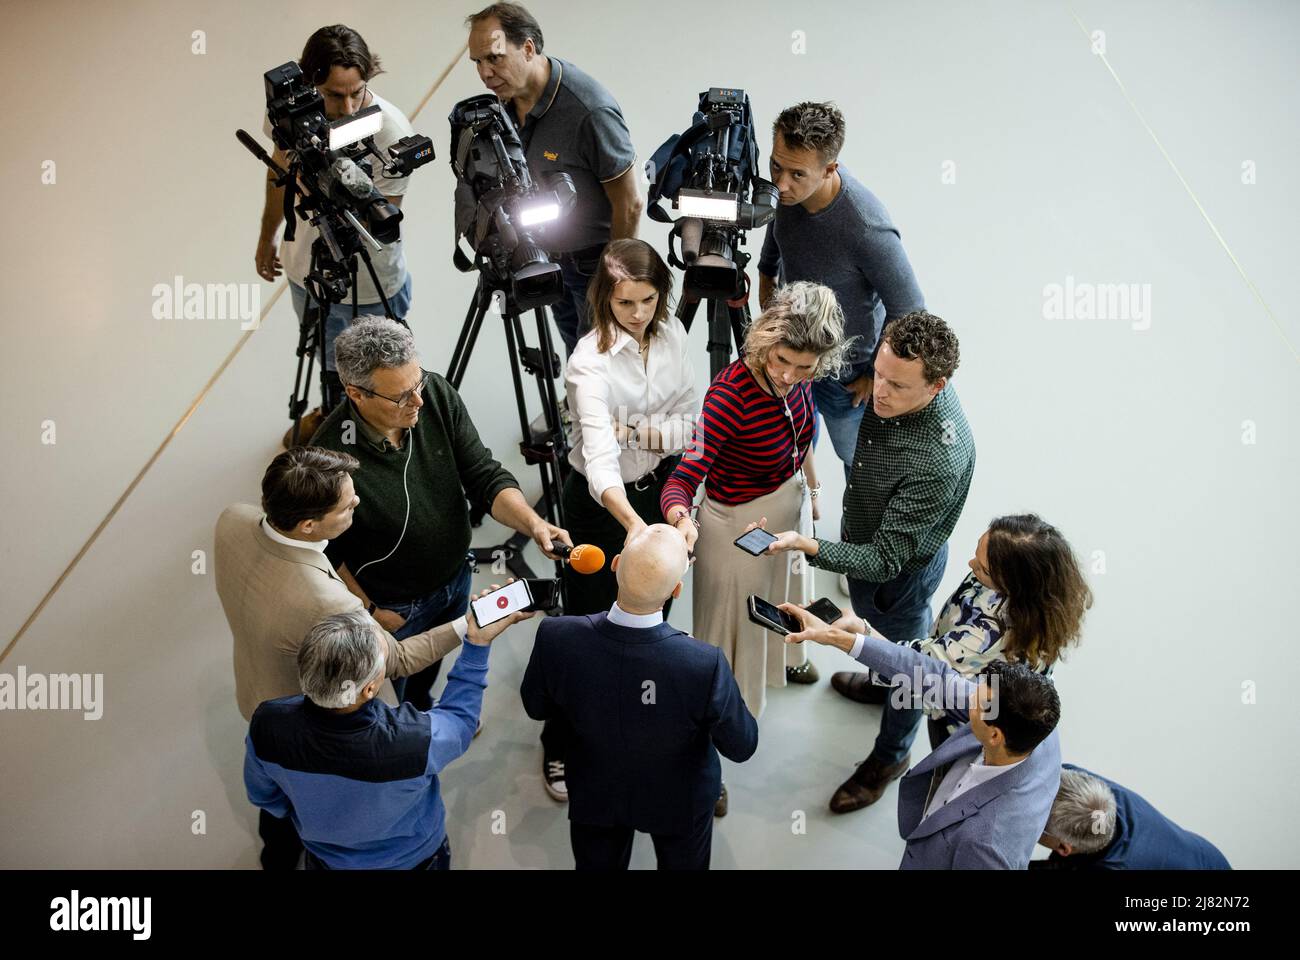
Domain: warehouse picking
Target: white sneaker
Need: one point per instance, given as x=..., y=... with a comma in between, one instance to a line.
x=553, y=778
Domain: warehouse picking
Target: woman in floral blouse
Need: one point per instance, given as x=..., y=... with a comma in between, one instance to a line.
x=1024, y=600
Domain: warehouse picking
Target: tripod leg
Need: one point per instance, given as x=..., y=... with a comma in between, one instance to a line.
x=478, y=307
x=719, y=337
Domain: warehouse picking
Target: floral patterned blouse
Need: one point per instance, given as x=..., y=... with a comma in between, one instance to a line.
x=968, y=635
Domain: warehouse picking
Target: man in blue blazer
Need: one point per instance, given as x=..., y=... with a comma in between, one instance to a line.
x=1098, y=825
x=980, y=800
x=651, y=709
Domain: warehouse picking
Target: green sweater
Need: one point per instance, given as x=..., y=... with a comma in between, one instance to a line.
x=908, y=483
x=448, y=463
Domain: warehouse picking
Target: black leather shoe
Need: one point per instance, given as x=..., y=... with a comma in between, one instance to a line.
x=804, y=674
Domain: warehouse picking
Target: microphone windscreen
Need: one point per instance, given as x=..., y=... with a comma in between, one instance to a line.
x=353, y=178
x=586, y=558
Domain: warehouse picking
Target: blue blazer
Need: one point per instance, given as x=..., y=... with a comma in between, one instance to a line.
x=650, y=709
x=992, y=826
x=1145, y=839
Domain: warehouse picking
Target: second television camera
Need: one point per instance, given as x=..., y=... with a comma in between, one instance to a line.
x=500, y=209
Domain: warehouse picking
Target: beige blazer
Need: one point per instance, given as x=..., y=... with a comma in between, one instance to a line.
x=273, y=594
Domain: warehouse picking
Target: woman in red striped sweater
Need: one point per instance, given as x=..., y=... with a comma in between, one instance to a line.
x=752, y=451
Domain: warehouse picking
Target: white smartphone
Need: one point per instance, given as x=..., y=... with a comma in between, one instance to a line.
x=499, y=604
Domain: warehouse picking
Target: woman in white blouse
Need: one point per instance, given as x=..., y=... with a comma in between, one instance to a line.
x=631, y=392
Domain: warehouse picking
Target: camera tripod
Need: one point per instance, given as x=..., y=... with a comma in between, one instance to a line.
x=728, y=323
x=324, y=289
x=546, y=447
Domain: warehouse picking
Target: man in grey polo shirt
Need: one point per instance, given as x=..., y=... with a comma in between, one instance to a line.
x=571, y=124
x=831, y=229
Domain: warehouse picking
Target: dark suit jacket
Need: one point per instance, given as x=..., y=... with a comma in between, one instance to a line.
x=650, y=709
x=1145, y=839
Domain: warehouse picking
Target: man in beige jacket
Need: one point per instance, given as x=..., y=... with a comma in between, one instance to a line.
x=275, y=584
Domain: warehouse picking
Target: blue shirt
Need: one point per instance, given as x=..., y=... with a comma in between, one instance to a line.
x=362, y=787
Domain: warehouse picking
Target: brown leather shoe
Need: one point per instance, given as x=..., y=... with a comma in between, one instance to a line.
x=858, y=686
x=867, y=785
x=308, y=426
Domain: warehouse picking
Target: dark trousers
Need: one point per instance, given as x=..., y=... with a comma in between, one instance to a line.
x=899, y=609
x=570, y=311
x=610, y=848
x=586, y=593
x=446, y=603
x=281, y=846
x=589, y=522
x=440, y=860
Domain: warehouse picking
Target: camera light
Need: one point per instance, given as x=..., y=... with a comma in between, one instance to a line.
x=348, y=130
x=538, y=214
x=707, y=206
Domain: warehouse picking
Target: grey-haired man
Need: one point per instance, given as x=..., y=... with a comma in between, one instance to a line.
x=406, y=553
x=358, y=778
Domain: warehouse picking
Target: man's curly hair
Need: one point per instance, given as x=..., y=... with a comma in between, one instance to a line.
x=923, y=335
x=812, y=126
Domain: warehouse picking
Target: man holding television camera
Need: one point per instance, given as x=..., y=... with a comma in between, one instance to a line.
x=568, y=123
x=339, y=63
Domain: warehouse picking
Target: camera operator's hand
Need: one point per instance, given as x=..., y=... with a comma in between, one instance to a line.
x=390, y=620
x=482, y=636
x=268, y=260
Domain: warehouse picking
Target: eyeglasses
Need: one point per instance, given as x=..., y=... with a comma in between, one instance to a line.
x=403, y=400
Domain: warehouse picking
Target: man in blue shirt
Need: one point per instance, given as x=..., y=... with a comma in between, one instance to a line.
x=359, y=778
x=1098, y=825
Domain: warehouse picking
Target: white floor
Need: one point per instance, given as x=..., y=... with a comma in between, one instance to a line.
x=1166, y=454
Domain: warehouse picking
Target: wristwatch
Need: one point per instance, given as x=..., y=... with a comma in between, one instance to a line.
x=634, y=439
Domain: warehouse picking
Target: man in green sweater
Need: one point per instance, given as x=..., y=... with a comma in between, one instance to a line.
x=406, y=554
x=911, y=472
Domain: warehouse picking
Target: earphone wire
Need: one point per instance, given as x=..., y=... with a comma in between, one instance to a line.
x=410, y=446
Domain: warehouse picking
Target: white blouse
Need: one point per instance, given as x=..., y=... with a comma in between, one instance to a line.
x=617, y=384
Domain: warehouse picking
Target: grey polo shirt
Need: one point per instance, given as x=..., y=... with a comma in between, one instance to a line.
x=576, y=127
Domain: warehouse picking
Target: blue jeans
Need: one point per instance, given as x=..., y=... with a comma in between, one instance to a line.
x=340, y=314
x=570, y=311
x=900, y=609
x=444, y=604
x=835, y=404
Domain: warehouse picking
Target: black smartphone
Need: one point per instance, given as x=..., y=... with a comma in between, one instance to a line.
x=546, y=594
x=828, y=611
x=755, y=542
x=767, y=615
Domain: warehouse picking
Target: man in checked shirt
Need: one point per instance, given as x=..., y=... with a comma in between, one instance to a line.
x=910, y=476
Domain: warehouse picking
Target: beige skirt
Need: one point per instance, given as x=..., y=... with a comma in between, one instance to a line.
x=725, y=576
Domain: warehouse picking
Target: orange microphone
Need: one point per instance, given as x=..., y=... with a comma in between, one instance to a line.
x=584, y=558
